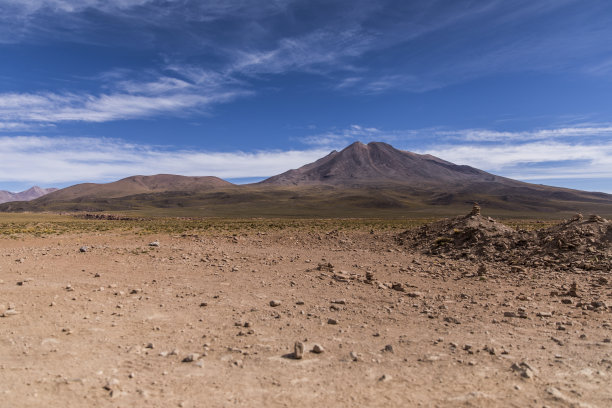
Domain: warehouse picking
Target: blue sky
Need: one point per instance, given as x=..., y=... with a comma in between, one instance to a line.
x=97, y=90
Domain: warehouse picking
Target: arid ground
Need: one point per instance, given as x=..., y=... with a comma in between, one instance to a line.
x=188, y=313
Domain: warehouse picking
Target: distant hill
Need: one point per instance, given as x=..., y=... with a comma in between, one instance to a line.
x=135, y=185
x=27, y=195
x=373, y=180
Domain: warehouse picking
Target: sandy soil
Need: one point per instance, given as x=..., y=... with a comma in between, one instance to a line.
x=112, y=326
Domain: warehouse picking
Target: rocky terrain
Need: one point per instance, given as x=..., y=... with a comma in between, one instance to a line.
x=577, y=244
x=334, y=313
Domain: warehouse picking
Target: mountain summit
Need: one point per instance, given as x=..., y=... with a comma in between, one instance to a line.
x=375, y=163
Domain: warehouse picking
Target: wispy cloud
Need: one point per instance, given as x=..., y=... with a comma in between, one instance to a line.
x=49, y=161
x=126, y=99
x=387, y=43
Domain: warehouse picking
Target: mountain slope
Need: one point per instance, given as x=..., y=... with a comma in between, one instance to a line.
x=134, y=185
x=377, y=162
x=374, y=180
x=27, y=195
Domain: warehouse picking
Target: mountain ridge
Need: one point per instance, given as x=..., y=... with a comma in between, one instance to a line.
x=360, y=180
x=31, y=193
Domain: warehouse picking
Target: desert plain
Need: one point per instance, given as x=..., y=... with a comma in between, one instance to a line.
x=168, y=312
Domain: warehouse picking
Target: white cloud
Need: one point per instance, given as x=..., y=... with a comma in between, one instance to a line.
x=49, y=161
x=128, y=99
x=486, y=135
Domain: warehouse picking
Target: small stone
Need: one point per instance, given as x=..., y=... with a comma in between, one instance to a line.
x=203, y=304
x=149, y=345
x=339, y=301
x=482, y=270
x=111, y=384
x=97, y=275
x=275, y=303
x=388, y=348
x=332, y=321
x=384, y=378
x=299, y=302
x=84, y=249
x=154, y=244
x=191, y=358
x=317, y=349
x=354, y=356
x=298, y=350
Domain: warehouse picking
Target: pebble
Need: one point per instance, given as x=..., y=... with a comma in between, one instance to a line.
x=275, y=303
x=298, y=350
x=83, y=249
x=384, y=378
x=332, y=321
x=191, y=358
x=317, y=349
x=154, y=244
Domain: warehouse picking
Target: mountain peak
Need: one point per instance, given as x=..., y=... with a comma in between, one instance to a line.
x=27, y=195
x=379, y=163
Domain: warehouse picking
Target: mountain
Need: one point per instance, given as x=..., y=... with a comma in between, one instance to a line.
x=380, y=163
x=373, y=180
x=379, y=166
x=135, y=185
x=27, y=195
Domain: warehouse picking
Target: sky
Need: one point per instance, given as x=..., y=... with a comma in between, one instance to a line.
x=98, y=90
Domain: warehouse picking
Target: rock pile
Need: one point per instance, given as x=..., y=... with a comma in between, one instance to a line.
x=577, y=243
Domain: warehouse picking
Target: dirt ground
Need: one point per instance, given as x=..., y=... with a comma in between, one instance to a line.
x=211, y=320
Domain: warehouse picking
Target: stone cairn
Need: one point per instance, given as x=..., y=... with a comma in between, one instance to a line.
x=475, y=210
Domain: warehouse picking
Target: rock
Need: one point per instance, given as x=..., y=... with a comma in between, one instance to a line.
x=354, y=356
x=385, y=378
x=450, y=319
x=154, y=244
x=388, y=348
x=414, y=294
x=398, y=286
x=84, y=249
x=332, y=321
x=482, y=270
x=317, y=349
x=523, y=369
x=475, y=210
x=339, y=301
x=298, y=350
x=275, y=303
x=369, y=276
x=191, y=358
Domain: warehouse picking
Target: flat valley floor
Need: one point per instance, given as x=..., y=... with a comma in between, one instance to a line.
x=210, y=317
